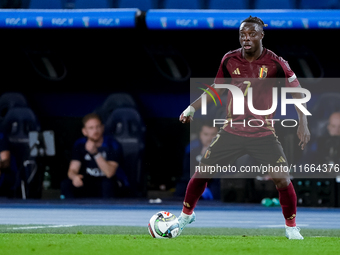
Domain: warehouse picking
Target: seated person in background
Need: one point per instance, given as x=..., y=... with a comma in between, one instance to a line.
x=7, y=177
x=328, y=147
x=5, y=155
x=193, y=154
x=94, y=168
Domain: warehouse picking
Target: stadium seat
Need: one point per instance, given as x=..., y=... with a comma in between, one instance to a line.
x=43, y=4
x=127, y=126
x=113, y=102
x=11, y=100
x=17, y=124
x=317, y=4
x=224, y=4
x=143, y=5
x=88, y=4
x=180, y=4
x=275, y=4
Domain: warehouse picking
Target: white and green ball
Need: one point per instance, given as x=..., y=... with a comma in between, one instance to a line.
x=163, y=225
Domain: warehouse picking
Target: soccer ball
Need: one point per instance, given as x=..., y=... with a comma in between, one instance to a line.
x=163, y=225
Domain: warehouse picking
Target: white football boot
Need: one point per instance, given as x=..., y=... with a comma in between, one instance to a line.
x=293, y=233
x=184, y=220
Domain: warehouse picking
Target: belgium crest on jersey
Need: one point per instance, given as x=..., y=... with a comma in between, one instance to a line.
x=263, y=72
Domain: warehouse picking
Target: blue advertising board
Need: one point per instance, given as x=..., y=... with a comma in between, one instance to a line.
x=89, y=18
x=167, y=19
x=231, y=19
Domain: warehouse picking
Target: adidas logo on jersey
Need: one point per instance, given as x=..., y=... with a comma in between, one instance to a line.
x=281, y=160
x=237, y=71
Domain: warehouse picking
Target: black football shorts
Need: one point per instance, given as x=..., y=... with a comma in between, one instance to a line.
x=225, y=148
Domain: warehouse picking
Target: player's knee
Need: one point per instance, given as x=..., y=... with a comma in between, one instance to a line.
x=281, y=182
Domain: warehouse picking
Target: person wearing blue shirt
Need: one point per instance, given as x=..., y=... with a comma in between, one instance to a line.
x=193, y=154
x=94, y=170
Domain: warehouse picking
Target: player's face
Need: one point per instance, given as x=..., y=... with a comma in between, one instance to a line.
x=93, y=129
x=334, y=125
x=250, y=36
x=207, y=134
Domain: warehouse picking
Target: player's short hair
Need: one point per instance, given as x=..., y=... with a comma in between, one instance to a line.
x=91, y=116
x=256, y=20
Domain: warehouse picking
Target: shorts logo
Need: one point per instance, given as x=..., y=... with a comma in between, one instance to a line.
x=263, y=72
x=281, y=160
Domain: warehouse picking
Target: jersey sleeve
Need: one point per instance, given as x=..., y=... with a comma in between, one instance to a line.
x=223, y=75
x=290, y=77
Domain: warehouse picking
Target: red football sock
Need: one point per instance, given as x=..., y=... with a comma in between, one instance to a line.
x=288, y=203
x=195, y=189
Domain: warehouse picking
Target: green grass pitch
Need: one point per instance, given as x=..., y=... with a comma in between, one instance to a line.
x=97, y=240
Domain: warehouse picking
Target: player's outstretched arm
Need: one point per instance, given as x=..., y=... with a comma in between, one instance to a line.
x=188, y=114
x=303, y=131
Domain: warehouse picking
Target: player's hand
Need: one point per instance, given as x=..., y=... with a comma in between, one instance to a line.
x=304, y=135
x=185, y=119
x=77, y=181
x=187, y=115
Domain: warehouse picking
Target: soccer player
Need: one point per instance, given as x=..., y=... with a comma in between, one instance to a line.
x=255, y=66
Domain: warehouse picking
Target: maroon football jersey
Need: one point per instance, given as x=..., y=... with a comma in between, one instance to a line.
x=262, y=75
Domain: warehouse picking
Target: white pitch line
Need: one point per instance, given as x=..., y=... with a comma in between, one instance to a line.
x=36, y=227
